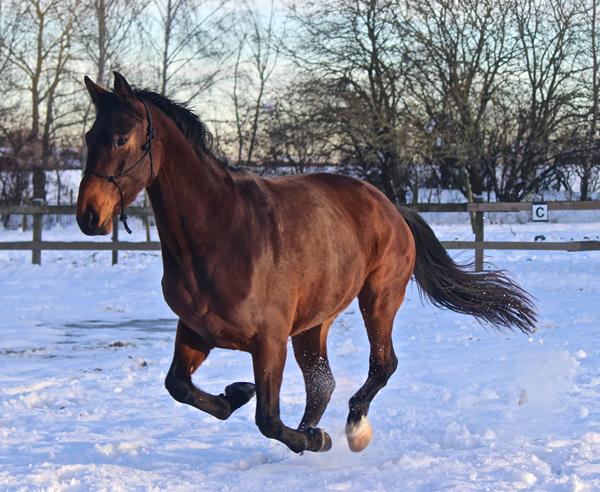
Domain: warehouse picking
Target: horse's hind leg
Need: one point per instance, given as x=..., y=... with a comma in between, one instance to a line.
x=378, y=307
x=190, y=353
x=310, y=349
x=269, y=361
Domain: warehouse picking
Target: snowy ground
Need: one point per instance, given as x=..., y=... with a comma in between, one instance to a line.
x=84, y=348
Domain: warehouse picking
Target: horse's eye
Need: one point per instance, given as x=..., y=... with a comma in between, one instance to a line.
x=121, y=141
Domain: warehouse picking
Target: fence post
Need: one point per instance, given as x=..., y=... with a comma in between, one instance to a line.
x=38, y=220
x=24, y=222
x=115, y=239
x=479, y=235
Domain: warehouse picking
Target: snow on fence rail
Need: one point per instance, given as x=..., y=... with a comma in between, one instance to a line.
x=37, y=245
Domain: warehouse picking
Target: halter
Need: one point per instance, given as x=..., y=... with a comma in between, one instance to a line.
x=147, y=148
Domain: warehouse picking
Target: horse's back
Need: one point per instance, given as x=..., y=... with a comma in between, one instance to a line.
x=340, y=205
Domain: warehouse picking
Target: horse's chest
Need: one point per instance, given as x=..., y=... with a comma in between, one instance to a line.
x=198, y=312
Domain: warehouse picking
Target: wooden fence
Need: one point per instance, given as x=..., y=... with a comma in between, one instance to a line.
x=37, y=245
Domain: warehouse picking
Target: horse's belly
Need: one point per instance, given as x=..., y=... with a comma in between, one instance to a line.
x=322, y=306
x=218, y=331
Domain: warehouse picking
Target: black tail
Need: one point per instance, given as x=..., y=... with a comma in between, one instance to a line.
x=489, y=296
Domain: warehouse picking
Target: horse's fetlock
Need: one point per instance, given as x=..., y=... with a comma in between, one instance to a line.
x=224, y=412
x=268, y=426
x=354, y=403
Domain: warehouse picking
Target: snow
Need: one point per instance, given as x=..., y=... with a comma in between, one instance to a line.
x=85, y=347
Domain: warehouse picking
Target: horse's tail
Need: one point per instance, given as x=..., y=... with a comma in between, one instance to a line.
x=490, y=296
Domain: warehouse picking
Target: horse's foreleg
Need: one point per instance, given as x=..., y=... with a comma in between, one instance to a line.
x=269, y=360
x=190, y=353
x=310, y=349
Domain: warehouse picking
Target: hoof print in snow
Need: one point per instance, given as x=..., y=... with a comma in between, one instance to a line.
x=118, y=344
x=523, y=397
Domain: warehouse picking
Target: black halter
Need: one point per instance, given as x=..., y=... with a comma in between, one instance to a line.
x=147, y=148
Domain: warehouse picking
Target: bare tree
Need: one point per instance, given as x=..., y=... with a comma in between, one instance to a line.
x=107, y=32
x=256, y=57
x=40, y=57
x=299, y=130
x=186, y=38
x=545, y=98
x=352, y=46
x=460, y=53
x=589, y=162
x=14, y=172
x=7, y=38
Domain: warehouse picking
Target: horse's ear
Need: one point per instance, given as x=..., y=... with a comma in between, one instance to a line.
x=96, y=92
x=122, y=88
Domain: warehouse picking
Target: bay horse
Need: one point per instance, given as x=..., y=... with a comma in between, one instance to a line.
x=249, y=262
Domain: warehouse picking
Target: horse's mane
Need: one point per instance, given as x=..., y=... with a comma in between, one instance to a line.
x=189, y=124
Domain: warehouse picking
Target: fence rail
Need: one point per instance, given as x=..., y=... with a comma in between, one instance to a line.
x=81, y=245
x=37, y=245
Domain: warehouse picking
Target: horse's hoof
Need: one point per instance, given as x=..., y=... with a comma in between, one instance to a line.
x=318, y=439
x=359, y=434
x=239, y=394
x=326, y=442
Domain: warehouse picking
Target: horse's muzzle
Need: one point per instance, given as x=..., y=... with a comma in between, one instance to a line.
x=89, y=223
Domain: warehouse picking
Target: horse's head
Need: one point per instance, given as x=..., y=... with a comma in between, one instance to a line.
x=120, y=162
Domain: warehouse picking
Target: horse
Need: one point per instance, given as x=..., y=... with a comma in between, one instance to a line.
x=250, y=262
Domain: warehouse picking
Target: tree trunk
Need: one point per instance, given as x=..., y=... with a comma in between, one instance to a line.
x=39, y=183
x=165, y=53
x=584, y=186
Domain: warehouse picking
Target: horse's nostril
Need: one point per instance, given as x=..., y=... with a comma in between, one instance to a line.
x=89, y=222
x=92, y=218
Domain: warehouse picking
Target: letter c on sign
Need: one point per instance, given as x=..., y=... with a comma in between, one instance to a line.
x=539, y=212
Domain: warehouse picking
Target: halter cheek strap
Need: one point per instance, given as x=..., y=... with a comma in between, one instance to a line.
x=147, y=148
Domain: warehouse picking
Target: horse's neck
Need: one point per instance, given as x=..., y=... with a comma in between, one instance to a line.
x=193, y=198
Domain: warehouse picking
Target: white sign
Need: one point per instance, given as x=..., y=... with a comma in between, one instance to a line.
x=539, y=212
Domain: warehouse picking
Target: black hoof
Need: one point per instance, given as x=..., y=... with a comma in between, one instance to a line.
x=238, y=394
x=318, y=440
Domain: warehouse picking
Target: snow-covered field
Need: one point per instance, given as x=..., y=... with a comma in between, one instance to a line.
x=84, y=348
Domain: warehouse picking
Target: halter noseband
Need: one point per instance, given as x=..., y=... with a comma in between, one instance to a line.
x=147, y=148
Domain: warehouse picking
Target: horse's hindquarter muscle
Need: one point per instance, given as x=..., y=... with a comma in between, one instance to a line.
x=334, y=232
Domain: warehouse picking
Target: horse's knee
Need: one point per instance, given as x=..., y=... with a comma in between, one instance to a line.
x=176, y=387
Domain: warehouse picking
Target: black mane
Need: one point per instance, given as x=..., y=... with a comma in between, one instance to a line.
x=188, y=122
